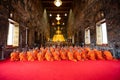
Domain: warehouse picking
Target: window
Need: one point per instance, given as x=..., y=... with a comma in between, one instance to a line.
x=13, y=33
x=87, y=36
x=10, y=34
x=101, y=30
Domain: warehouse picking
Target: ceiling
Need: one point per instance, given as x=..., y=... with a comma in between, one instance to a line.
x=52, y=9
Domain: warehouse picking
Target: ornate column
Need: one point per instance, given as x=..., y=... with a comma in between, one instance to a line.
x=2, y=54
x=26, y=42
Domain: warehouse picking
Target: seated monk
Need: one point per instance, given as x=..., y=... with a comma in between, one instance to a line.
x=14, y=56
x=30, y=56
x=83, y=55
x=56, y=55
x=40, y=56
x=87, y=49
x=77, y=55
x=99, y=55
x=43, y=51
x=107, y=54
x=91, y=55
x=52, y=49
x=23, y=56
x=48, y=56
x=35, y=52
x=70, y=56
x=63, y=55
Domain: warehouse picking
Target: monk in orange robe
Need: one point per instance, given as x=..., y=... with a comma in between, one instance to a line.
x=63, y=55
x=14, y=56
x=99, y=55
x=87, y=49
x=77, y=55
x=107, y=55
x=56, y=55
x=40, y=56
x=70, y=56
x=23, y=56
x=83, y=55
x=52, y=49
x=30, y=56
x=91, y=55
x=48, y=56
x=35, y=52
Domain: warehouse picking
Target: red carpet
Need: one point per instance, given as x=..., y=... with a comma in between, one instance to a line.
x=60, y=70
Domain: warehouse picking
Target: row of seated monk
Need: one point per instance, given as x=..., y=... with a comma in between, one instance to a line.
x=61, y=53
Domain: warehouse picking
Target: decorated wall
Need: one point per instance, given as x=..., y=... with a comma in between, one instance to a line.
x=88, y=12
x=28, y=13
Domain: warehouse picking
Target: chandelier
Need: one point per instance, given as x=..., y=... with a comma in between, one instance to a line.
x=58, y=3
x=58, y=17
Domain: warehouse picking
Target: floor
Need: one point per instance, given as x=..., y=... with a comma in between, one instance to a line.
x=60, y=70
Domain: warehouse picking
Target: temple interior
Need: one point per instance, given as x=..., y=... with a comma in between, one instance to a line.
x=59, y=39
x=36, y=23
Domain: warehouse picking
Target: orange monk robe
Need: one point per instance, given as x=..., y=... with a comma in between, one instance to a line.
x=48, y=56
x=40, y=56
x=14, y=56
x=52, y=49
x=23, y=56
x=43, y=51
x=30, y=56
x=71, y=56
x=91, y=55
x=66, y=53
x=56, y=55
x=63, y=55
x=99, y=55
x=35, y=52
x=77, y=55
x=83, y=55
x=108, y=55
x=87, y=49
